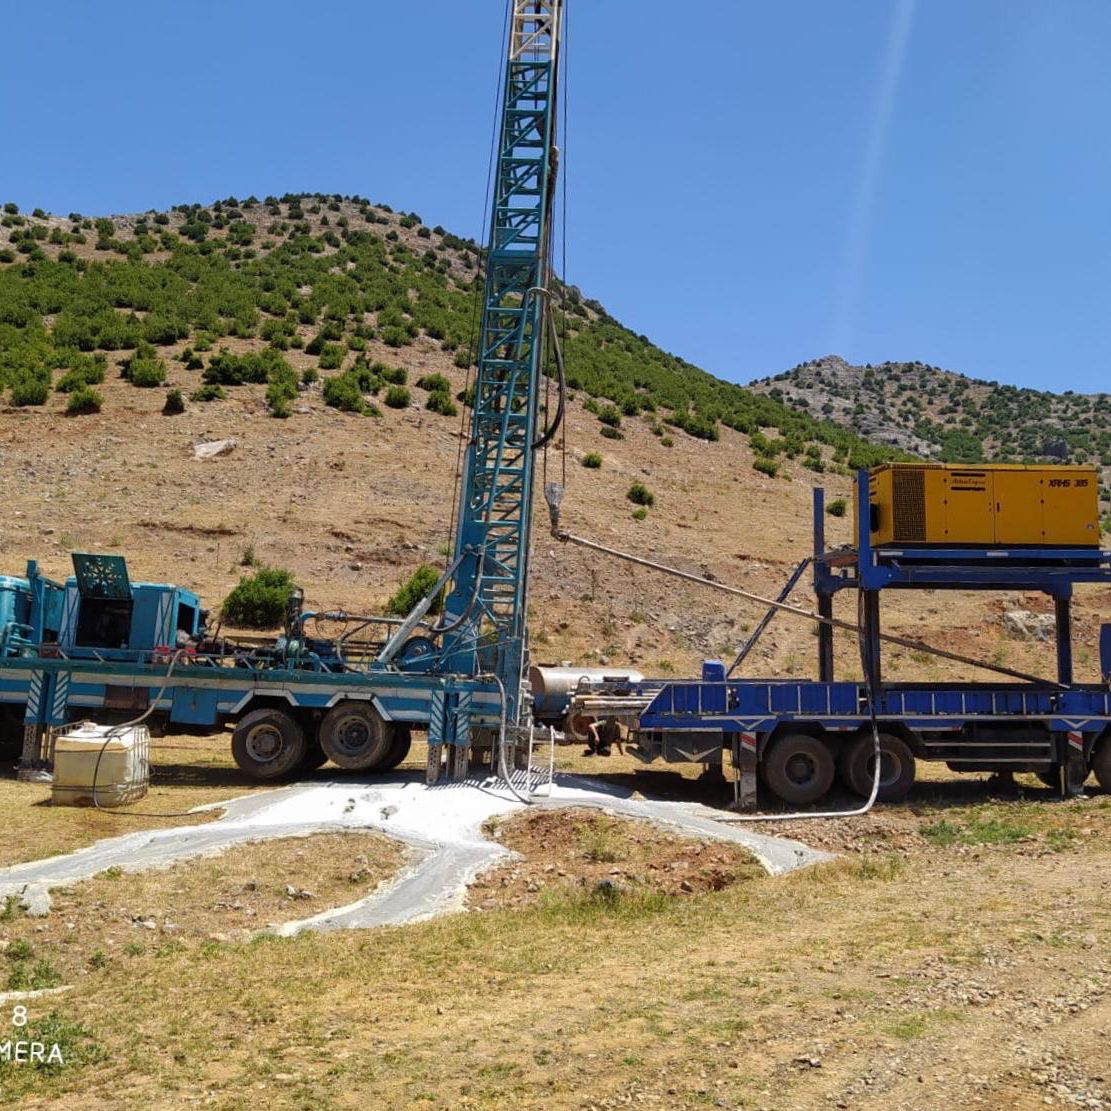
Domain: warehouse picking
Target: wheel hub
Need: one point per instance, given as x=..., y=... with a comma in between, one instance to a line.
x=352, y=735
x=264, y=742
x=800, y=769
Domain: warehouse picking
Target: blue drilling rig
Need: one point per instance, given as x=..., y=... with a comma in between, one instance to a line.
x=295, y=703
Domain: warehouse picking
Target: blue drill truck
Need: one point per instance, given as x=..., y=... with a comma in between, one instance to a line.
x=101, y=646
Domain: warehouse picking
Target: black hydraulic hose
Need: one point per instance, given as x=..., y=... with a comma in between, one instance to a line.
x=553, y=428
x=439, y=630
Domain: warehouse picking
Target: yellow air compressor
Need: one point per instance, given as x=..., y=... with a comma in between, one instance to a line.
x=997, y=504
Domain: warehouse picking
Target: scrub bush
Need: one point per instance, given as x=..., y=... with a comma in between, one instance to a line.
x=82, y=400
x=258, y=601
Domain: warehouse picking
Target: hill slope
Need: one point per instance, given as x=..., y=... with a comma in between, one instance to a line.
x=351, y=493
x=324, y=275
x=943, y=415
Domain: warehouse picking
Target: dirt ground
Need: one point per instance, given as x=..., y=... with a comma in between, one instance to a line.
x=119, y=915
x=606, y=856
x=953, y=956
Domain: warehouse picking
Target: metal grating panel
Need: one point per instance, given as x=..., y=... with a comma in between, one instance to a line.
x=908, y=496
x=102, y=576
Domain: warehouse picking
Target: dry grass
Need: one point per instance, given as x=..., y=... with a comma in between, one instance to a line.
x=116, y=916
x=961, y=965
x=186, y=772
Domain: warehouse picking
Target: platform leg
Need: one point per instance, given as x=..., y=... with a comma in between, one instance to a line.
x=459, y=761
x=1076, y=766
x=825, y=639
x=435, y=764
x=1063, y=613
x=744, y=782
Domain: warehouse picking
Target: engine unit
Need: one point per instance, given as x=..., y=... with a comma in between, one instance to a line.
x=952, y=505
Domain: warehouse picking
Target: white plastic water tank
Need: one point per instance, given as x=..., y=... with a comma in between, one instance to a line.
x=118, y=758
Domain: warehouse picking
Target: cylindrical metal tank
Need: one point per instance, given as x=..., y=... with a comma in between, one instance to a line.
x=552, y=687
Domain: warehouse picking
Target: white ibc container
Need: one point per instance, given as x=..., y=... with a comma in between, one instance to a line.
x=123, y=773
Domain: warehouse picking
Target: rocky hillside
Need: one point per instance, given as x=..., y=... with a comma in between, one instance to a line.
x=942, y=415
x=327, y=338
x=286, y=291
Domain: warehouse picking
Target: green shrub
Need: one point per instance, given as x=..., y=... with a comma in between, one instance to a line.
x=612, y=433
x=667, y=441
x=84, y=370
x=609, y=415
x=31, y=390
x=439, y=401
x=434, y=383
x=765, y=466
x=395, y=337
x=82, y=400
x=342, y=392
x=837, y=507
x=309, y=375
x=419, y=583
x=331, y=356
x=175, y=403
x=397, y=397
x=144, y=368
x=592, y=460
x=7, y=255
x=395, y=375
x=463, y=358
x=227, y=369
x=258, y=601
x=639, y=494
x=208, y=393
x=640, y=514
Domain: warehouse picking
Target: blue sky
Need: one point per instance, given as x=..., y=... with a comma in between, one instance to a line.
x=749, y=184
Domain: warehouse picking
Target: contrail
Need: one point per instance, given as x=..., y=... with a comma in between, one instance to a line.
x=847, y=292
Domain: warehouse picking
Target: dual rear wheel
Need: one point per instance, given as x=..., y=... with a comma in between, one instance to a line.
x=271, y=743
x=799, y=768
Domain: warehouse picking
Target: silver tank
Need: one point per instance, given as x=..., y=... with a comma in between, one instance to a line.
x=552, y=687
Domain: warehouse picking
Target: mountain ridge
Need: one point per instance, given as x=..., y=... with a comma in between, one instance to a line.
x=947, y=416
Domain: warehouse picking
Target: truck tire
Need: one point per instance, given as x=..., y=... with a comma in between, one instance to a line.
x=896, y=767
x=354, y=736
x=1101, y=761
x=11, y=729
x=798, y=768
x=401, y=739
x=575, y=727
x=268, y=744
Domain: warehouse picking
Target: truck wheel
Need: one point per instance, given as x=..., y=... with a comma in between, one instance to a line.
x=354, y=736
x=1101, y=762
x=896, y=767
x=799, y=769
x=11, y=729
x=401, y=740
x=268, y=744
x=575, y=726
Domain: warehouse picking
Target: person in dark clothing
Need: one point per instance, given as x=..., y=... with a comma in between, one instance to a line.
x=602, y=737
